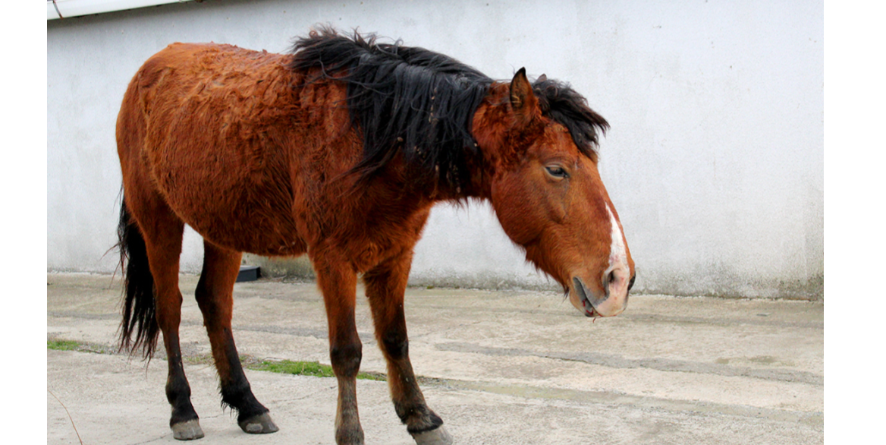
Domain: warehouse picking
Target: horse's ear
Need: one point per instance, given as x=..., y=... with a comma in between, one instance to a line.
x=523, y=101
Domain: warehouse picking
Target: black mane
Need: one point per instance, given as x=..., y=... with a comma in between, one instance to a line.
x=408, y=99
x=562, y=104
x=422, y=103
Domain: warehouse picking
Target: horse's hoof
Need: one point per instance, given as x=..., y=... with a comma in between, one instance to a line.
x=189, y=430
x=260, y=424
x=436, y=436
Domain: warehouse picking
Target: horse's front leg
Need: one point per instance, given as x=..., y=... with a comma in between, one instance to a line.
x=385, y=288
x=338, y=282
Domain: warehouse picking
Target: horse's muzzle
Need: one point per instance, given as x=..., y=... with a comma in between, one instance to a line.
x=613, y=302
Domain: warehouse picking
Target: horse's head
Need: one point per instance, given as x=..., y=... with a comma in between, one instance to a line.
x=547, y=193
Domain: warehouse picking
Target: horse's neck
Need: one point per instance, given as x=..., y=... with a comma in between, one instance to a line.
x=490, y=128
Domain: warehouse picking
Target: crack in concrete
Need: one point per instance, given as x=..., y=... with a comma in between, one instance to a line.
x=658, y=364
x=723, y=321
x=814, y=419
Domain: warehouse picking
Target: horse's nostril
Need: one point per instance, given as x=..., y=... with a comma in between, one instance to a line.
x=608, y=279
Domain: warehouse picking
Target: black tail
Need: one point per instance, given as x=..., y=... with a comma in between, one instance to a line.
x=138, y=303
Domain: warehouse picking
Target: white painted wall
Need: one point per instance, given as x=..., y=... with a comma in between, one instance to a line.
x=714, y=160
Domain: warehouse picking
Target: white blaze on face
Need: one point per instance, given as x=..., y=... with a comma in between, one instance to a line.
x=618, y=254
x=618, y=268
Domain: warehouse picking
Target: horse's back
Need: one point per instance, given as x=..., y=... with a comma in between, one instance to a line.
x=209, y=129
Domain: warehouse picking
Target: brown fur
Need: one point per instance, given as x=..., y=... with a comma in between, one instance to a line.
x=254, y=158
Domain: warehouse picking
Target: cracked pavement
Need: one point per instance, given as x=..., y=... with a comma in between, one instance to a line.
x=500, y=367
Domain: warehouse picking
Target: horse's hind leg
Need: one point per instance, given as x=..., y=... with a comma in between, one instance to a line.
x=215, y=297
x=163, y=231
x=385, y=288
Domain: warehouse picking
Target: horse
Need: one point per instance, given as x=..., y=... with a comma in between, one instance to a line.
x=339, y=149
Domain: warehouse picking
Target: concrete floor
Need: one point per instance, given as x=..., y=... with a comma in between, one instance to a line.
x=507, y=367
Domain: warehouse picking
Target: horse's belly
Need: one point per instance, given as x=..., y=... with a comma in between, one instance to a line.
x=246, y=220
x=236, y=203
x=249, y=228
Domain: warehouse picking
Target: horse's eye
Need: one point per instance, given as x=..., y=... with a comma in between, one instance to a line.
x=557, y=171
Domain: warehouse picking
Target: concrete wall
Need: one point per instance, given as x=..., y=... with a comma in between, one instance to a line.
x=714, y=160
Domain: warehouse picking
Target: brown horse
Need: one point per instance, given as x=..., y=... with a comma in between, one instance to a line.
x=339, y=150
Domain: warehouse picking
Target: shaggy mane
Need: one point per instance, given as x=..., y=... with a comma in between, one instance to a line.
x=422, y=103
x=562, y=104
x=409, y=99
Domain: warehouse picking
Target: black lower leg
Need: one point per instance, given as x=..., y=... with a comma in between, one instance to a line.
x=215, y=297
x=235, y=389
x=417, y=418
x=409, y=403
x=178, y=392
